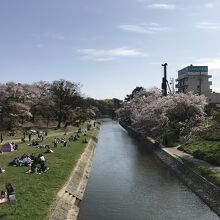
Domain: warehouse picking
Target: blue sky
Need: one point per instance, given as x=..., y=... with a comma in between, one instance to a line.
x=109, y=46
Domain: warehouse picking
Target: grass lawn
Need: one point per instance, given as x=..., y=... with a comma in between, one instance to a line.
x=35, y=193
x=203, y=149
x=50, y=131
x=208, y=174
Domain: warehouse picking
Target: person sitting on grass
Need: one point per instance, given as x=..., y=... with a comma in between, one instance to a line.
x=15, y=162
x=35, y=143
x=26, y=161
x=10, y=192
x=3, y=197
x=55, y=144
x=41, y=158
x=3, y=194
x=71, y=138
x=15, y=146
x=64, y=144
x=85, y=141
x=2, y=170
x=55, y=141
x=48, y=150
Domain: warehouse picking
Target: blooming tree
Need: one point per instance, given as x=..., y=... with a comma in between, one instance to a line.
x=14, y=109
x=149, y=112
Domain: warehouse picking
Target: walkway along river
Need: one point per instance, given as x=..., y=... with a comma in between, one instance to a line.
x=128, y=182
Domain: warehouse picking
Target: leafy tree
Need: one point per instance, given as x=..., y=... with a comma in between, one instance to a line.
x=216, y=116
x=135, y=91
x=65, y=96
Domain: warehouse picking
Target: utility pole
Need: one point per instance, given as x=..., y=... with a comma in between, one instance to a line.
x=164, y=80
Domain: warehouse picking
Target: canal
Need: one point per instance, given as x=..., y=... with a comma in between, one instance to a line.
x=128, y=182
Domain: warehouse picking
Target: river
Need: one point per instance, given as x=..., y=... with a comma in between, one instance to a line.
x=128, y=182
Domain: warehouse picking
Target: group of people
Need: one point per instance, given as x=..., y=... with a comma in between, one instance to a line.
x=32, y=161
x=77, y=134
x=39, y=160
x=8, y=194
x=57, y=141
x=91, y=124
x=74, y=137
x=24, y=160
x=37, y=164
x=40, y=134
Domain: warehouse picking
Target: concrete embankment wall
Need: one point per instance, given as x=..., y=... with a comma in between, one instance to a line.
x=71, y=194
x=207, y=191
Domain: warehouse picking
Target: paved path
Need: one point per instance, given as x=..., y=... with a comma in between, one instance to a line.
x=180, y=154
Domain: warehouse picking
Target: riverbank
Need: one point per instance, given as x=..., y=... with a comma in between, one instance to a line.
x=207, y=191
x=68, y=198
x=39, y=190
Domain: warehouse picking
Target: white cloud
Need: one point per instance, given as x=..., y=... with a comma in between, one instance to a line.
x=144, y=28
x=209, y=5
x=208, y=25
x=162, y=6
x=212, y=63
x=106, y=55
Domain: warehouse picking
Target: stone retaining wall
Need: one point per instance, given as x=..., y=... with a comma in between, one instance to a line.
x=207, y=191
x=68, y=198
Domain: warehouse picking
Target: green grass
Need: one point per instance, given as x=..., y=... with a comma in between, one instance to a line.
x=203, y=149
x=169, y=139
x=206, y=173
x=50, y=131
x=35, y=193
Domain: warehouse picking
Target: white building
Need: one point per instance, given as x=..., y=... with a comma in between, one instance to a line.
x=196, y=79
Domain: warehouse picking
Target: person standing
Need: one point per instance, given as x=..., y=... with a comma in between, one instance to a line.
x=29, y=136
x=1, y=137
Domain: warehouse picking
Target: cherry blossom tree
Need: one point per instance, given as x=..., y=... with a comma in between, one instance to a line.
x=149, y=112
x=14, y=110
